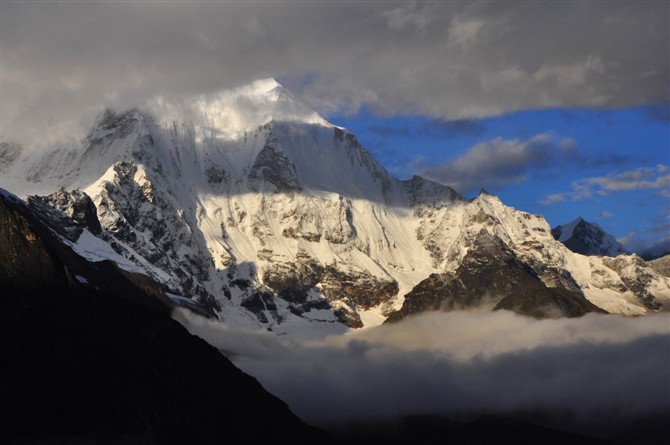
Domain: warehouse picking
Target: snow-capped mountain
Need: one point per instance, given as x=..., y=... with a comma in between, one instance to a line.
x=587, y=238
x=270, y=216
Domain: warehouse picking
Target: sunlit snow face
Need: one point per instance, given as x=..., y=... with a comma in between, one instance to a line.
x=597, y=366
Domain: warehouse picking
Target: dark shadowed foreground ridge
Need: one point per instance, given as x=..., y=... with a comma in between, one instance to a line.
x=82, y=365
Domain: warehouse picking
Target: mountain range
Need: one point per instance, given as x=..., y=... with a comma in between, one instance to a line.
x=91, y=354
x=249, y=207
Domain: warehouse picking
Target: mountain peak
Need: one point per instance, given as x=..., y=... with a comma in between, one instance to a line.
x=268, y=88
x=566, y=230
x=229, y=113
x=267, y=84
x=587, y=238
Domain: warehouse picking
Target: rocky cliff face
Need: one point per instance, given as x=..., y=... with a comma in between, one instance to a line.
x=68, y=213
x=284, y=221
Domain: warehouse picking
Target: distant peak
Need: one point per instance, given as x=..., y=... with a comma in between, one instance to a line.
x=587, y=238
x=567, y=229
x=579, y=221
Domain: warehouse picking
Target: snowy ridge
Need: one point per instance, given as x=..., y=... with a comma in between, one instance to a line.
x=270, y=216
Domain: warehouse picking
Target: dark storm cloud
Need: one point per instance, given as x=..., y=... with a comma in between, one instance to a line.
x=598, y=365
x=451, y=60
x=501, y=162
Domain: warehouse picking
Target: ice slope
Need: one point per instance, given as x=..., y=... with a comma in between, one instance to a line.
x=257, y=206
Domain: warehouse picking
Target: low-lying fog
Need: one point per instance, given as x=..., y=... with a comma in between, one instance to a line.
x=598, y=368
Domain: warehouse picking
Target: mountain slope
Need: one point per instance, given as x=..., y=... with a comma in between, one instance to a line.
x=81, y=364
x=269, y=216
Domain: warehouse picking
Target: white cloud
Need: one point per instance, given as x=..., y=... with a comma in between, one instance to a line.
x=643, y=178
x=553, y=199
x=639, y=179
x=409, y=17
x=464, y=33
x=629, y=239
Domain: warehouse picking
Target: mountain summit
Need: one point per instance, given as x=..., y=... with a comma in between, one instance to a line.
x=269, y=216
x=229, y=113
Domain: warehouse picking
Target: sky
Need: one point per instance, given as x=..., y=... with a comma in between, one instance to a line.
x=560, y=108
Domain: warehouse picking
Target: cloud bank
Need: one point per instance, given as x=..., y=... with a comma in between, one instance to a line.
x=596, y=368
x=451, y=60
x=501, y=162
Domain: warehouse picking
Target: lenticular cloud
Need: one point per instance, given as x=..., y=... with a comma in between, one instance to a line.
x=594, y=368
